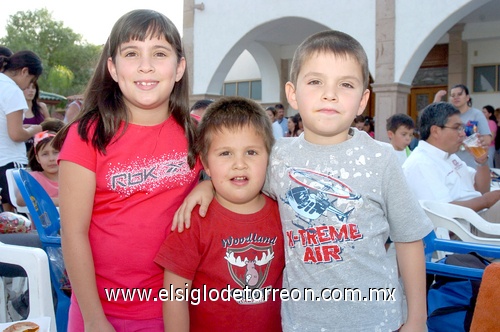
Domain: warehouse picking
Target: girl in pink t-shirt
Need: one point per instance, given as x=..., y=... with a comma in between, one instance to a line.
x=42, y=161
x=489, y=113
x=126, y=164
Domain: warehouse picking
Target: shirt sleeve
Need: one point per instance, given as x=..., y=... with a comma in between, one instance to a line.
x=407, y=220
x=76, y=150
x=482, y=125
x=426, y=185
x=14, y=101
x=180, y=252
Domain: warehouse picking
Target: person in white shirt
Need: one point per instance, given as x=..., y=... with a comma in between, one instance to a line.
x=434, y=172
x=17, y=72
x=280, y=118
x=277, y=130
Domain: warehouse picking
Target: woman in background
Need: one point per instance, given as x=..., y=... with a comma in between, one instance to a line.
x=17, y=72
x=37, y=111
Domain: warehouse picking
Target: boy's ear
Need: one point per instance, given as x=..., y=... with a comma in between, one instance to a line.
x=364, y=101
x=390, y=134
x=112, y=69
x=290, y=95
x=205, y=167
x=434, y=131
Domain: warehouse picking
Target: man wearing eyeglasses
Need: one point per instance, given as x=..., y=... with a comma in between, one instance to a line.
x=434, y=172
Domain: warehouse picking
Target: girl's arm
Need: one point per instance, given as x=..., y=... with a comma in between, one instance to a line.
x=72, y=112
x=201, y=195
x=411, y=264
x=44, y=110
x=19, y=198
x=76, y=192
x=15, y=128
x=176, y=312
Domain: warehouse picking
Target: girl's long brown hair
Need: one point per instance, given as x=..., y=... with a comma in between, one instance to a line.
x=104, y=107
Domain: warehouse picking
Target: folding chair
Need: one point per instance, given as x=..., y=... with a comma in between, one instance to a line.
x=12, y=192
x=34, y=261
x=45, y=216
x=459, y=220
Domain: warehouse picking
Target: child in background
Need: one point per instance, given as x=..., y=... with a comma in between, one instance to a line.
x=369, y=126
x=359, y=122
x=125, y=166
x=489, y=114
x=52, y=124
x=235, y=139
x=341, y=195
x=42, y=161
x=400, y=129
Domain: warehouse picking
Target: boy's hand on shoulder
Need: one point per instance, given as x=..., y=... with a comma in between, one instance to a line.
x=201, y=195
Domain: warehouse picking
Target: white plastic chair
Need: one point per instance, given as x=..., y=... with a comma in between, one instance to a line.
x=459, y=219
x=36, y=264
x=12, y=192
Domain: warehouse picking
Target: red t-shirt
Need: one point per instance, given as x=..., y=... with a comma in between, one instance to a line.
x=226, y=249
x=140, y=183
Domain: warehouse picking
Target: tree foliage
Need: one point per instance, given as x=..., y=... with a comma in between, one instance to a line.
x=68, y=60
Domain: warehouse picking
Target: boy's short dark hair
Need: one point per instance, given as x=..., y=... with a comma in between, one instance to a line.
x=399, y=119
x=338, y=43
x=233, y=113
x=52, y=124
x=435, y=114
x=359, y=119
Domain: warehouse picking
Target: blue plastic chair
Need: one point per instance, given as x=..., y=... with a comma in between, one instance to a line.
x=45, y=216
x=433, y=244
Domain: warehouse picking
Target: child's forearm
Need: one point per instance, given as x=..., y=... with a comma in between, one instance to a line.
x=80, y=267
x=411, y=263
x=176, y=312
x=201, y=195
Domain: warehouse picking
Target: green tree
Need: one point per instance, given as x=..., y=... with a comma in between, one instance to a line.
x=68, y=60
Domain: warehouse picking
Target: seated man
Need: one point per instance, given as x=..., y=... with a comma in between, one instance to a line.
x=434, y=172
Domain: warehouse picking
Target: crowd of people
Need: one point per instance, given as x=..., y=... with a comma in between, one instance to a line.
x=307, y=201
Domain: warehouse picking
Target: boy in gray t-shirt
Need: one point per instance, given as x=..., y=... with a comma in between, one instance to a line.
x=341, y=195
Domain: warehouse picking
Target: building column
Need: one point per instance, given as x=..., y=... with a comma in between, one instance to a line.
x=188, y=38
x=187, y=41
x=390, y=98
x=457, y=56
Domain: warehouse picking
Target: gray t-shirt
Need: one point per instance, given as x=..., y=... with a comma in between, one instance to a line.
x=473, y=114
x=338, y=205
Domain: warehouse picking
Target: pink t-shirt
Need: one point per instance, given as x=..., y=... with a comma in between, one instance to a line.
x=51, y=187
x=140, y=182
